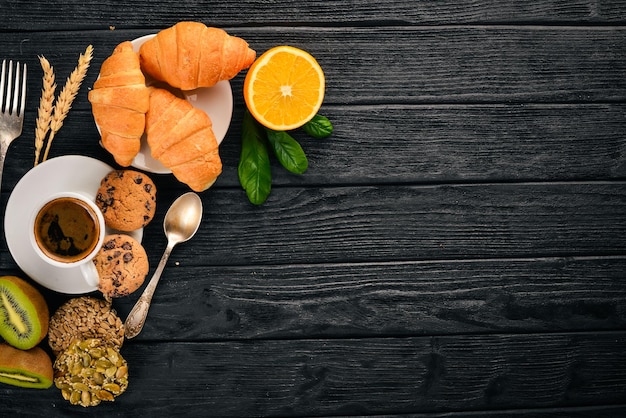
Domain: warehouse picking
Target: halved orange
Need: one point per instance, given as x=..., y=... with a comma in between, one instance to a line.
x=284, y=88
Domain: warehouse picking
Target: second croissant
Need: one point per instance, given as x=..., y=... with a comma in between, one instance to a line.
x=181, y=138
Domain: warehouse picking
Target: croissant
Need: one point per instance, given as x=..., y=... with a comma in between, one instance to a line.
x=119, y=102
x=189, y=55
x=181, y=138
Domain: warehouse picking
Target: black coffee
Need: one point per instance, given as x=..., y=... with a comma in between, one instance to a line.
x=66, y=229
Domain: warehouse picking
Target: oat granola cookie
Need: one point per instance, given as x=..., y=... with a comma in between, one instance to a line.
x=122, y=265
x=84, y=317
x=127, y=199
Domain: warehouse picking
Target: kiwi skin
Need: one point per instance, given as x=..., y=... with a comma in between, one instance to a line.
x=17, y=295
x=25, y=368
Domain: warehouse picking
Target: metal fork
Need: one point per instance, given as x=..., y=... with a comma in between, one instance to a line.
x=11, y=117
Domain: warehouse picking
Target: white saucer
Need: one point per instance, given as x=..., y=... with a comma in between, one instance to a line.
x=67, y=173
x=216, y=102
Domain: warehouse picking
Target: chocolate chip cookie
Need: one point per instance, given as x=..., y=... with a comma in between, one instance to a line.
x=122, y=265
x=127, y=199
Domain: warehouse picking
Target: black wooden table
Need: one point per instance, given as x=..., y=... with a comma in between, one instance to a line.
x=456, y=248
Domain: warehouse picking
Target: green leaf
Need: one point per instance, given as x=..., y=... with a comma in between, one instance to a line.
x=255, y=175
x=288, y=151
x=318, y=127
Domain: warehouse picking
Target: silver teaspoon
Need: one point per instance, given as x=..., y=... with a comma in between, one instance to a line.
x=181, y=223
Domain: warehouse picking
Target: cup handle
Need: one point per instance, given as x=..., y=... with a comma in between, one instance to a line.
x=90, y=273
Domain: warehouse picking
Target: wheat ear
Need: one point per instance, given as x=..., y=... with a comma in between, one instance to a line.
x=44, y=113
x=68, y=94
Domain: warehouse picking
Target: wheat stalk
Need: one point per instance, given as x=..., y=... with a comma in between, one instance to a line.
x=44, y=113
x=68, y=94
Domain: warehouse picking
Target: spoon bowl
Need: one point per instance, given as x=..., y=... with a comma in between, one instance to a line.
x=180, y=224
x=183, y=218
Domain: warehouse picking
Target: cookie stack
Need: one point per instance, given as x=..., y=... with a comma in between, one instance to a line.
x=86, y=336
x=127, y=199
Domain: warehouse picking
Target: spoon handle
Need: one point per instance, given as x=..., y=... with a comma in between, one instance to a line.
x=137, y=316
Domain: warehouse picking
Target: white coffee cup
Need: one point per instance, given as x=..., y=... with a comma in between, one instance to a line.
x=66, y=231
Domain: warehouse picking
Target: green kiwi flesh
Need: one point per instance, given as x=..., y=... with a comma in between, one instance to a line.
x=25, y=368
x=24, y=313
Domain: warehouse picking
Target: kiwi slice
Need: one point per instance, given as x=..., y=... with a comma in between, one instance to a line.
x=24, y=313
x=26, y=368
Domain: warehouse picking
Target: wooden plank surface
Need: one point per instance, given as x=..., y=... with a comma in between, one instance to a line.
x=407, y=65
x=102, y=15
x=455, y=249
x=368, y=376
x=417, y=144
x=386, y=299
x=406, y=223
x=304, y=225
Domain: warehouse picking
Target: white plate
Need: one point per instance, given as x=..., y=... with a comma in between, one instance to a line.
x=67, y=173
x=216, y=102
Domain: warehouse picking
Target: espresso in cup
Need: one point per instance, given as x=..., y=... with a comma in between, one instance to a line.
x=66, y=229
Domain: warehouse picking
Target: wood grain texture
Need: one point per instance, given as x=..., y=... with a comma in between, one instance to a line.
x=394, y=144
x=473, y=64
x=97, y=15
x=363, y=224
x=405, y=223
x=384, y=299
x=364, y=376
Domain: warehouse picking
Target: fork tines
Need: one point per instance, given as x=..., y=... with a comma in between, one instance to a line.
x=9, y=104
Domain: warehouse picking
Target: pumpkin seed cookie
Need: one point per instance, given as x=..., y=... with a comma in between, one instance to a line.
x=89, y=372
x=127, y=199
x=122, y=265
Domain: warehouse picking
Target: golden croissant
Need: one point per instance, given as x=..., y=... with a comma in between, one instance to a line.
x=119, y=102
x=181, y=138
x=189, y=55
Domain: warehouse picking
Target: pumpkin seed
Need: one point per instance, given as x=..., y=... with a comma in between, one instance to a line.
x=86, y=377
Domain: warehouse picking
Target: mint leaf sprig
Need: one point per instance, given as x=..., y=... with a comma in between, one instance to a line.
x=254, y=169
